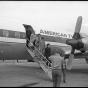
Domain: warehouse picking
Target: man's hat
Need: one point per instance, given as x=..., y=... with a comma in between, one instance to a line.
x=60, y=51
x=48, y=44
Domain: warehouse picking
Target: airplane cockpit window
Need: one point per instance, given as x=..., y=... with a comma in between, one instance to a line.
x=83, y=35
x=5, y=33
x=17, y=34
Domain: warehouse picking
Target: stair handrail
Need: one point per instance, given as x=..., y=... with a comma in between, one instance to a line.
x=39, y=52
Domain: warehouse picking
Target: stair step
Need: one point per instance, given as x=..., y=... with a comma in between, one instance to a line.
x=40, y=60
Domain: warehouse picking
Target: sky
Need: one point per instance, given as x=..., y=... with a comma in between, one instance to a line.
x=46, y=15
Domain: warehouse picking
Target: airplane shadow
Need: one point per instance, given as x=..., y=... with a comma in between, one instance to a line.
x=29, y=85
x=77, y=71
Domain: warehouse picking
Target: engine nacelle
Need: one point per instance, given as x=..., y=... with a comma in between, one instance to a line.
x=83, y=51
x=77, y=44
x=85, y=41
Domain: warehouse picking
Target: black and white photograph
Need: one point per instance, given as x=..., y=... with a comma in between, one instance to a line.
x=43, y=44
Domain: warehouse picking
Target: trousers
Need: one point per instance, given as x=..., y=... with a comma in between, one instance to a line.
x=56, y=76
x=64, y=74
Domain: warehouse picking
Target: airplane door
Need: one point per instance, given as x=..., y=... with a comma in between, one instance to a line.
x=28, y=30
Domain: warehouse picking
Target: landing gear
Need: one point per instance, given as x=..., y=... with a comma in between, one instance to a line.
x=86, y=58
x=17, y=61
x=30, y=61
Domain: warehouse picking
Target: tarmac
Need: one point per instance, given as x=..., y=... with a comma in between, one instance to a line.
x=29, y=74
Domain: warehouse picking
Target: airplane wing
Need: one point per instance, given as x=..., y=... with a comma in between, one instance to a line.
x=77, y=54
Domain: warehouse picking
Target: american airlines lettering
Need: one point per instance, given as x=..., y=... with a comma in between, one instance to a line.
x=57, y=34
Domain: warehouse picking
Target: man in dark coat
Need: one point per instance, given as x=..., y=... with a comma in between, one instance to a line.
x=48, y=52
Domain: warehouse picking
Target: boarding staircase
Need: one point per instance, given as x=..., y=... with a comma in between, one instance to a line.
x=40, y=59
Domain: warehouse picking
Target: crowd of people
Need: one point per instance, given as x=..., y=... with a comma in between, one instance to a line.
x=58, y=62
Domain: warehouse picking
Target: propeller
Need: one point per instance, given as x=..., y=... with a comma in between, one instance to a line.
x=75, y=37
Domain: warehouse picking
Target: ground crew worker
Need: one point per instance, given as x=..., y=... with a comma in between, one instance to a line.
x=42, y=45
x=57, y=60
x=48, y=53
x=64, y=70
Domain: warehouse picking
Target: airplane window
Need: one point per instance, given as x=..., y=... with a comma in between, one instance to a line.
x=17, y=34
x=5, y=33
x=23, y=36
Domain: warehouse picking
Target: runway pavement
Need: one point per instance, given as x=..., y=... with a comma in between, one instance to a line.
x=29, y=74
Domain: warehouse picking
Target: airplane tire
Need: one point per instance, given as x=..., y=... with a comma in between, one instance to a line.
x=30, y=61
x=86, y=58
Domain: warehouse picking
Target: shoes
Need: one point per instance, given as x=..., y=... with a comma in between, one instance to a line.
x=64, y=81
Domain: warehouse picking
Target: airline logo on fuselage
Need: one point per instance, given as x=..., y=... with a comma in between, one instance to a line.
x=56, y=34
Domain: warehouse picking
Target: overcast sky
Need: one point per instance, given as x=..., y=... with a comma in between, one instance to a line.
x=46, y=15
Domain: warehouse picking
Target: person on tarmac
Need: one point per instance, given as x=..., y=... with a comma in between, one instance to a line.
x=64, y=71
x=57, y=60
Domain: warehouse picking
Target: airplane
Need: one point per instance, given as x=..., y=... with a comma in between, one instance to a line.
x=13, y=43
